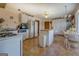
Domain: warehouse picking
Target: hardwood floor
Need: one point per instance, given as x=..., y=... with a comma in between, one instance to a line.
x=31, y=48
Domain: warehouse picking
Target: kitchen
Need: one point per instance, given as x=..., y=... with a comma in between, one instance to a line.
x=22, y=22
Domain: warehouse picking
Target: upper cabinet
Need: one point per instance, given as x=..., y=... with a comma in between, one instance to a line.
x=2, y=5
x=47, y=25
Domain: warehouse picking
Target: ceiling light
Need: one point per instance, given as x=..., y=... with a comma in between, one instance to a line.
x=46, y=14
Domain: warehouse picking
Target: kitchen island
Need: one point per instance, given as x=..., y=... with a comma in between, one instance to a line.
x=12, y=45
x=46, y=37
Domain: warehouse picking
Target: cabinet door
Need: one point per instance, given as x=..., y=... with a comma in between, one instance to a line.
x=36, y=28
x=31, y=29
x=2, y=45
x=12, y=46
x=47, y=24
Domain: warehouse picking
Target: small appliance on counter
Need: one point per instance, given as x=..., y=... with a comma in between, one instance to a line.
x=23, y=27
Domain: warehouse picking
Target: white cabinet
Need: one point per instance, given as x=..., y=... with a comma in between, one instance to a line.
x=36, y=28
x=2, y=46
x=11, y=45
x=43, y=38
x=31, y=29
x=46, y=38
x=27, y=34
x=50, y=37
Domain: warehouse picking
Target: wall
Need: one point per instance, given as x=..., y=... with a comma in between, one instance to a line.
x=13, y=23
x=59, y=26
x=77, y=21
x=9, y=23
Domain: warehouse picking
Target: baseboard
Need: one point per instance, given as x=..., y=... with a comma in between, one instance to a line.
x=59, y=35
x=31, y=38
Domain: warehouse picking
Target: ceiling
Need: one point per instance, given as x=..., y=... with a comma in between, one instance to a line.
x=53, y=9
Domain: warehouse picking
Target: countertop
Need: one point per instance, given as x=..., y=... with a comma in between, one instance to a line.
x=7, y=37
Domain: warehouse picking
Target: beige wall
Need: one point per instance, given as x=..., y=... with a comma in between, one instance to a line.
x=9, y=23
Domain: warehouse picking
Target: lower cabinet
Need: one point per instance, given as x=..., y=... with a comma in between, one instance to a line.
x=46, y=38
x=11, y=45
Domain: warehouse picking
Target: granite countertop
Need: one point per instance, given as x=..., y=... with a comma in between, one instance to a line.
x=11, y=35
x=4, y=36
